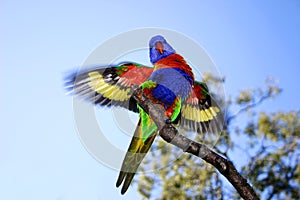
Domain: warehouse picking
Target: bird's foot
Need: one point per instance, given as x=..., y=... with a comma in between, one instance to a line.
x=168, y=121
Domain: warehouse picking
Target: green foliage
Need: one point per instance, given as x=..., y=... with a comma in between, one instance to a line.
x=274, y=169
x=244, y=97
x=268, y=142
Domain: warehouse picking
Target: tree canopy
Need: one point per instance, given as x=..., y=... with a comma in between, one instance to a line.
x=268, y=142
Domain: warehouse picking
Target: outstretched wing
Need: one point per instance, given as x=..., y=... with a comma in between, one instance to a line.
x=200, y=113
x=109, y=86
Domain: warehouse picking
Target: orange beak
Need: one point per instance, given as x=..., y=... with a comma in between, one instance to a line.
x=159, y=47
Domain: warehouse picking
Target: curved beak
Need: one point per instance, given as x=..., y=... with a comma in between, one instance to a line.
x=159, y=47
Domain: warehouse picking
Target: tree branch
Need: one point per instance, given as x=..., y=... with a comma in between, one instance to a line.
x=249, y=106
x=170, y=134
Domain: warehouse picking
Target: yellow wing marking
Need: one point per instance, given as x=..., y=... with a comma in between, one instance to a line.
x=194, y=114
x=113, y=92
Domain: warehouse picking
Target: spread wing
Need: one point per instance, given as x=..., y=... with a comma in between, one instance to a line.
x=109, y=86
x=200, y=113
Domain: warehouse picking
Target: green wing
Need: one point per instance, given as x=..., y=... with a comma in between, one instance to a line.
x=109, y=86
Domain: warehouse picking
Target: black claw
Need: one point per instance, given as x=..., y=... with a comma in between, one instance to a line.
x=168, y=121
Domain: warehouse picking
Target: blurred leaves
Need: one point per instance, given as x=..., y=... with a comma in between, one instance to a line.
x=245, y=97
x=275, y=168
x=268, y=142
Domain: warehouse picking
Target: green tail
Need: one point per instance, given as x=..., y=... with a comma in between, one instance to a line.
x=141, y=142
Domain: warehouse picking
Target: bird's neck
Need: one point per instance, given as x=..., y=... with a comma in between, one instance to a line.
x=174, y=61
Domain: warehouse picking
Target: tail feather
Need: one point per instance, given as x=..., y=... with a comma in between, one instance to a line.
x=136, y=152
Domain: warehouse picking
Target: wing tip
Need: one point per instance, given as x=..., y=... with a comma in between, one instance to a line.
x=69, y=79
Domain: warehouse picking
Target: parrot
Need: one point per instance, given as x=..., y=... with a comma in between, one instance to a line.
x=170, y=84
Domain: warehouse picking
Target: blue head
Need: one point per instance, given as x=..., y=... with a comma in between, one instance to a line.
x=159, y=48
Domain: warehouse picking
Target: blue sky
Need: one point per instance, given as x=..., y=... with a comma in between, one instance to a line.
x=40, y=153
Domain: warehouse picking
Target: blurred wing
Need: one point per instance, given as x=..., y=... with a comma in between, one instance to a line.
x=200, y=113
x=109, y=86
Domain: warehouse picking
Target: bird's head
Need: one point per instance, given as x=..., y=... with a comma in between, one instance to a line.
x=159, y=48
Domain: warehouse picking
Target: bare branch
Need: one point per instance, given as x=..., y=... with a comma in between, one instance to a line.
x=170, y=134
x=249, y=106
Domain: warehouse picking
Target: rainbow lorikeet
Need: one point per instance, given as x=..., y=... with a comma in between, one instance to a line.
x=169, y=84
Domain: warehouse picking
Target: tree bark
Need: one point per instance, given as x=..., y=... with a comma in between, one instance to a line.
x=170, y=134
